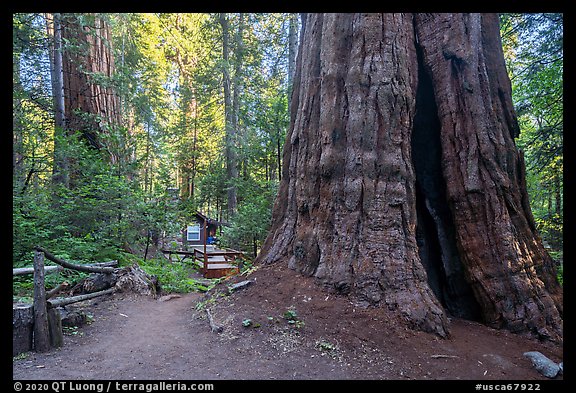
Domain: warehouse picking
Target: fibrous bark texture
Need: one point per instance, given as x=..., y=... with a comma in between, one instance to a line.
x=511, y=275
x=401, y=183
x=92, y=105
x=346, y=211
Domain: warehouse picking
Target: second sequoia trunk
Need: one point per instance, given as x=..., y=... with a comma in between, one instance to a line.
x=401, y=182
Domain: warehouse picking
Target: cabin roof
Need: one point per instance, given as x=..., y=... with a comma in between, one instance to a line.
x=211, y=221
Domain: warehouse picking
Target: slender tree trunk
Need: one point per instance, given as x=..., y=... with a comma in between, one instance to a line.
x=368, y=210
x=278, y=155
x=58, y=76
x=18, y=169
x=558, y=195
x=239, y=136
x=147, y=164
x=194, y=149
x=60, y=171
x=190, y=108
x=292, y=49
x=231, y=154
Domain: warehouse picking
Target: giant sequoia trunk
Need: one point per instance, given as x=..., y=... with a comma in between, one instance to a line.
x=91, y=103
x=402, y=185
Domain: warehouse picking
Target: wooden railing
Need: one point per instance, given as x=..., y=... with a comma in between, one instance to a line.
x=42, y=318
x=204, y=258
x=228, y=254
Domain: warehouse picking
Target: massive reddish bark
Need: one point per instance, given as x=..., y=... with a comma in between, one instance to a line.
x=402, y=125
x=91, y=104
x=512, y=276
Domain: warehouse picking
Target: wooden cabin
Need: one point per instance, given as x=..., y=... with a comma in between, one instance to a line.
x=197, y=243
x=198, y=230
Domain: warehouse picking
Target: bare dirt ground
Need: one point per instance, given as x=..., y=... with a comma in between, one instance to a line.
x=295, y=330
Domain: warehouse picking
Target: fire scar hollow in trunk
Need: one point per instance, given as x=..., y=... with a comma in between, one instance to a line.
x=401, y=183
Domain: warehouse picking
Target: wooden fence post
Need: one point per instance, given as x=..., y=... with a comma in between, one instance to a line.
x=55, y=328
x=41, y=332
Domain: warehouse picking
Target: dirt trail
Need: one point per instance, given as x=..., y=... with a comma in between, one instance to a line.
x=137, y=337
x=130, y=338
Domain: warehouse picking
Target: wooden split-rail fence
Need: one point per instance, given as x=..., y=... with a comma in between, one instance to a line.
x=38, y=325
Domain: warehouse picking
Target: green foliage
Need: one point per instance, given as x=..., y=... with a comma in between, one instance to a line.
x=22, y=356
x=23, y=289
x=248, y=322
x=86, y=222
x=168, y=76
x=250, y=225
x=72, y=331
x=290, y=315
x=560, y=276
x=90, y=222
x=324, y=345
x=173, y=277
x=533, y=47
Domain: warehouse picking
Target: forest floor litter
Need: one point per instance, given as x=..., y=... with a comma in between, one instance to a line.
x=280, y=326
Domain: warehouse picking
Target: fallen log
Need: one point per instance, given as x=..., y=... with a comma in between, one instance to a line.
x=165, y=298
x=59, y=302
x=55, y=290
x=68, y=265
x=543, y=365
x=236, y=287
x=134, y=279
x=130, y=278
x=20, y=271
x=95, y=282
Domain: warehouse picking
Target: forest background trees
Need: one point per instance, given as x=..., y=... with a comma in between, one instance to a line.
x=148, y=103
x=533, y=47
x=144, y=106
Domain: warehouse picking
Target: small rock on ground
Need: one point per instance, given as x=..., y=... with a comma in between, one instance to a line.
x=542, y=364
